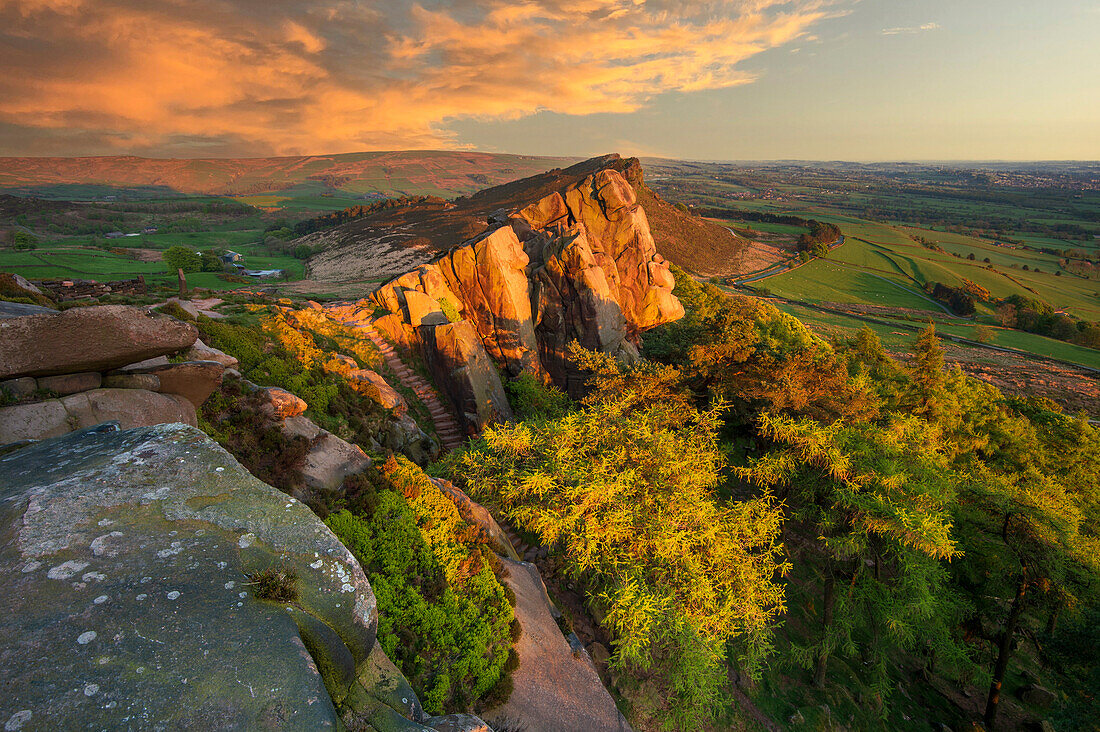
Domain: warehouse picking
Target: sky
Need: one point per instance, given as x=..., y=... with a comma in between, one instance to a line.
x=692, y=79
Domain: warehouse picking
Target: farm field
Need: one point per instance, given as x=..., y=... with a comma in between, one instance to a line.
x=898, y=336
x=881, y=265
x=72, y=261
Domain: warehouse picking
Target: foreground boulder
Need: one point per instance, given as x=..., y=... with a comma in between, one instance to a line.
x=152, y=583
x=128, y=590
x=87, y=339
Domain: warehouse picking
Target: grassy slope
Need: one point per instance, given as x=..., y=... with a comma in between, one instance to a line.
x=888, y=253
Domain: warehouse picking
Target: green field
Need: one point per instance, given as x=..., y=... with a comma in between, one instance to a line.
x=880, y=264
x=900, y=336
x=77, y=259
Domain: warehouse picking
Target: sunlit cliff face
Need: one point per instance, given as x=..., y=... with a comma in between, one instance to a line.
x=211, y=77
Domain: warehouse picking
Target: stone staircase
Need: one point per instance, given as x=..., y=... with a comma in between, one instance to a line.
x=446, y=426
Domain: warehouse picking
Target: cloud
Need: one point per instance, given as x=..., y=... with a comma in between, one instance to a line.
x=910, y=29
x=293, y=76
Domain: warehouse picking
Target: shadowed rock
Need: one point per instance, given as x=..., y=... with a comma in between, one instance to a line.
x=554, y=690
x=95, y=338
x=128, y=407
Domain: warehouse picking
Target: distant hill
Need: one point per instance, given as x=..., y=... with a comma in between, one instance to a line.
x=394, y=239
x=444, y=174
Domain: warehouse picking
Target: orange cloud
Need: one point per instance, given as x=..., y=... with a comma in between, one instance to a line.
x=289, y=77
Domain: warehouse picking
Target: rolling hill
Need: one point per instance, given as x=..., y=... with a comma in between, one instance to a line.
x=267, y=181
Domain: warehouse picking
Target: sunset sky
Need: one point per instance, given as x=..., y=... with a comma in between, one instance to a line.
x=714, y=79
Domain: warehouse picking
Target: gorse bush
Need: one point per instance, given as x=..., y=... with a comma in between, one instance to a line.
x=444, y=618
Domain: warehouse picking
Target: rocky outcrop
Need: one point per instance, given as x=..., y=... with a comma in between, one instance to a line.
x=193, y=380
x=329, y=459
x=470, y=379
x=577, y=264
x=77, y=368
x=56, y=417
x=554, y=689
x=199, y=351
x=152, y=583
x=87, y=339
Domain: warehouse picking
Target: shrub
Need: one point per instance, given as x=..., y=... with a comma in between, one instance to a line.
x=176, y=311
x=444, y=618
x=531, y=399
x=275, y=584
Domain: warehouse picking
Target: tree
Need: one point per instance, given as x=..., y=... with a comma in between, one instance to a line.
x=180, y=257
x=676, y=591
x=750, y=354
x=877, y=499
x=22, y=241
x=983, y=333
x=211, y=262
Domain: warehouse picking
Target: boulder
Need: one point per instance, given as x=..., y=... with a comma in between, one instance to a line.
x=374, y=387
x=71, y=383
x=1038, y=696
x=457, y=723
x=21, y=309
x=402, y=434
x=553, y=689
x=146, y=364
x=33, y=421
x=25, y=285
x=202, y=352
x=128, y=407
x=330, y=460
x=279, y=404
x=193, y=380
x=467, y=375
x=132, y=380
x=129, y=598
x=95, y=338
x=19, y=389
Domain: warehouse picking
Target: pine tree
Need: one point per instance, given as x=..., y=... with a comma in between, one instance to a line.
x=877, y=500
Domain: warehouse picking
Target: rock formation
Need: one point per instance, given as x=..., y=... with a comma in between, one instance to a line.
x=152, y=583
x=77, y=368
x=556, y=688
x=87, y=339
x=578, y=263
